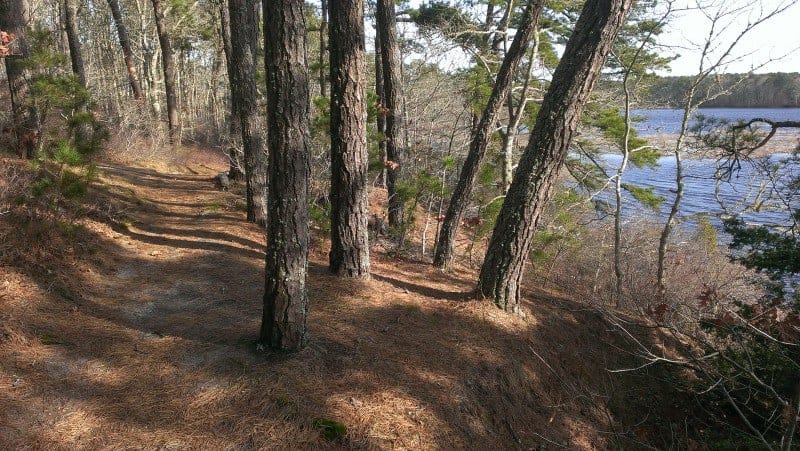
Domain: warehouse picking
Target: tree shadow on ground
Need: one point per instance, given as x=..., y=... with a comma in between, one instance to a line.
x=123, y=346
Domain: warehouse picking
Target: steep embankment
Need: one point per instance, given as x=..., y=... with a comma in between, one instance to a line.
x=136, y=329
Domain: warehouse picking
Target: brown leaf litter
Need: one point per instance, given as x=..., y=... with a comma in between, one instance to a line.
x=142, y=337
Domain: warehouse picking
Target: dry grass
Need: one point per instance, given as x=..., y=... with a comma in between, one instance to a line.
x=142, y=336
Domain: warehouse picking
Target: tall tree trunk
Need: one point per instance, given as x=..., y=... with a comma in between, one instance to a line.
x=63, y=41
x=234, y=129
x=170, y=80
x=558, y=118
x=75, y=55
x=349, y=255
x=482, y=134
x=323, y=47
x=285, y=297
x=393, y=103
x=380, y=119
x=488, y=22
x=14, y=18
x=127, y=53
x=515, y=118
x=244, y=16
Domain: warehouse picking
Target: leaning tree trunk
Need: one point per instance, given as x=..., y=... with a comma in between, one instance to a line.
x=536, y=175
x=244, y=99
x=285, y=297
x=482, y=134
x=393, y=104
x=127, y=52
x=170, y=80
x=349, y=255
x=75, y=55
x=14, y=17
x=515, y=117
x=234, y=128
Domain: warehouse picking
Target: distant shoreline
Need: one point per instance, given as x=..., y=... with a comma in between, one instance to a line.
x=784, y=141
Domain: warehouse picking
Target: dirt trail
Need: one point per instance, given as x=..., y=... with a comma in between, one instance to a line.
x=143, y=338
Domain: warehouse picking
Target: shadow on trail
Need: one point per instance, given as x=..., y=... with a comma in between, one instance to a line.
x=422, y=290
x=159, y=352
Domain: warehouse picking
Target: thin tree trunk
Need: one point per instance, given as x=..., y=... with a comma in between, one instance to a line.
x=482, y=134
x=244, y=16
x=669, y=224
x=323, y=47
x=380, y=118
x=14, y=18
x=285, y=297
x=63, y=41
x=71, y=27
x=235, y=126
x=170, y=76
x=127, y=53
x=393, y=104
x=515, y=118
x=349, y=255
x=794, y=415
x=618, y=193
x=488, y=22
x=532, y=187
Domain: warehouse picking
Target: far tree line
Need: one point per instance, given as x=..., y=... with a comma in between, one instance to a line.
x=775, y=90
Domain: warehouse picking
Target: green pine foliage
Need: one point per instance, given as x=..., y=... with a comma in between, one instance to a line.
x=644, y=195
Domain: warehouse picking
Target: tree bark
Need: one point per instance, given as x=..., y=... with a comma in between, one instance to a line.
x=515, y=118
x=170, y=81
x=393, y=104
x=234, y=125
x=244, y=16
x=558, y=118
x=75, y=55
x=380, y=119
x=14, y=18
x=349, y=255
x=285, y=297
x=323, y=47
x=127, y=53
x=482, y=134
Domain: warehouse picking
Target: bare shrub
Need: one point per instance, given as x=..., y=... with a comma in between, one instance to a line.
x=583, y=264
x=136, y=137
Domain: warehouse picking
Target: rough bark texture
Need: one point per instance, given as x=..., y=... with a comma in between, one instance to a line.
x=14, y=18
x=573, y=80
x=349, y=255
x=234, y=125
x=482, y=134
x=393, y=102
x=127, y=52
x=244, y=16
x=380, y=119
x=170, y=85
x=285, y=297
x=323, y=47
x=71, y=27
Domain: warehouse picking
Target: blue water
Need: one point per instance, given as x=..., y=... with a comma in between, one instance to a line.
x=699, y=190
x=668, y=121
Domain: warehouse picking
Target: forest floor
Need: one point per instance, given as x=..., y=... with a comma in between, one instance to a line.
x=136, y=330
